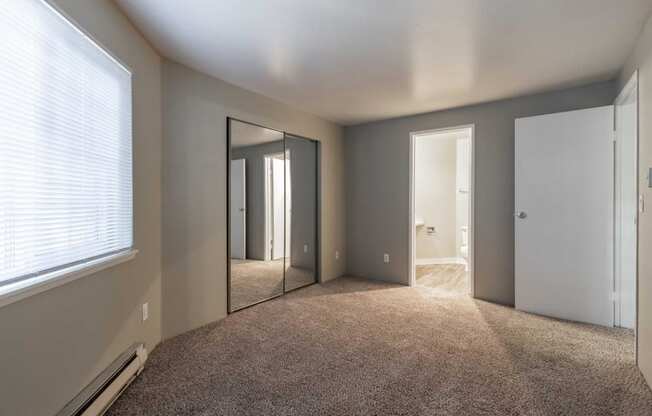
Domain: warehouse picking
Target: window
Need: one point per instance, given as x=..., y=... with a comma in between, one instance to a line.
x=65, y=146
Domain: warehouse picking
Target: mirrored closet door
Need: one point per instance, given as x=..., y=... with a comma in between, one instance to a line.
x=273, y=237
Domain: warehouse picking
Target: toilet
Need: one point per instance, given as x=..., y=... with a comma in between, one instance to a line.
x=464, y=247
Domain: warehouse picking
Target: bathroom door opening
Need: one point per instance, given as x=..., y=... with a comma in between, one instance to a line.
x=626, y=205
x=274, y=206
x=441, y=232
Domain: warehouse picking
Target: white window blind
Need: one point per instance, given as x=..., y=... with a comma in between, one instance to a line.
x=65, y=145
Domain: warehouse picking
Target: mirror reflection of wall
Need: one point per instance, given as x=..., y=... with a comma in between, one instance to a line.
x=301, y=197
x=273, y=208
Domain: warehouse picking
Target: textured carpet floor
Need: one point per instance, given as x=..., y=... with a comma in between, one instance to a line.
x=449, y=277
x=357, y=347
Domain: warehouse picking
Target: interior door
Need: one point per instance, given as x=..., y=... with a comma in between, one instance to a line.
x=238, y=210
x=564, y=172
x=278, y=208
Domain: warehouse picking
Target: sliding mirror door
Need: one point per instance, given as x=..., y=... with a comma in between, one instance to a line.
x=301, y=212
x=257, y=214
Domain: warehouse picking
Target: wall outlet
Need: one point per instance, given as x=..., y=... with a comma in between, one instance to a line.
x=145, y=311
x=337, y=255
x=305, y=248
x=386, y=258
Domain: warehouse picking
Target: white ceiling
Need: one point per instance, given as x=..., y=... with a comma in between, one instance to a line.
x=352, y=61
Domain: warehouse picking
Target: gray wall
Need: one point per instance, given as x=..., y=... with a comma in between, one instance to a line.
x=195, y=107
x=641, y=58
x=377, y=163
x=54, y=343
x=255, y=193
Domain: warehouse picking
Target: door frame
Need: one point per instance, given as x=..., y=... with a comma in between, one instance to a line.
x=472, y=195
x=631, y=87
x=269, y=203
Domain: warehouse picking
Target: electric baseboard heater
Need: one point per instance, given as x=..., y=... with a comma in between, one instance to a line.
x=98, y=396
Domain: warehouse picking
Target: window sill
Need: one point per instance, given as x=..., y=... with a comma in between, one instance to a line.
x=24, y=289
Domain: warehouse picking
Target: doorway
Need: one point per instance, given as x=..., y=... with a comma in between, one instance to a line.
x=275, y=217
x=441, y=249
x=626, y=204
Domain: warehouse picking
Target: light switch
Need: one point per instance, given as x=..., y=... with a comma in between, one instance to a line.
x=386, y=258
x=305, y=248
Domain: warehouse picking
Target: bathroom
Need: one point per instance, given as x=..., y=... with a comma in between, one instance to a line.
x=442, y=209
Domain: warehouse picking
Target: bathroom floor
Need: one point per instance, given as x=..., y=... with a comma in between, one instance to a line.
x=447, y=277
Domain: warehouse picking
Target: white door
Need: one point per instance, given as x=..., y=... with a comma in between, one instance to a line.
x=626, y=208
x=288, y=204
x=238, y=210
x=278, y=208
x=564, y=215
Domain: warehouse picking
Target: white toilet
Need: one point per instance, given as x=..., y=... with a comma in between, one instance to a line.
x=464, y=247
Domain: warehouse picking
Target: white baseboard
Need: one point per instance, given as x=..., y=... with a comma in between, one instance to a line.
x=441, y=260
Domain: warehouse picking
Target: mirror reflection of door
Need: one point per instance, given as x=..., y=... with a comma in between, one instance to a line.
x=238, y=208
x=275, y=206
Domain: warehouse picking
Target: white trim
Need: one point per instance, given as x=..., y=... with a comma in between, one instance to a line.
x=440, y=260
x=411, y=222
x=29, y=287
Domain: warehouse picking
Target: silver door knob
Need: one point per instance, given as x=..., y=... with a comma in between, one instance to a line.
x=520, y=214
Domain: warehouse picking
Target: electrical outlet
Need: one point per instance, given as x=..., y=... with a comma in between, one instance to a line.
x=337, y=255
x=386, y=258
x=305, y=248
x=145, y=311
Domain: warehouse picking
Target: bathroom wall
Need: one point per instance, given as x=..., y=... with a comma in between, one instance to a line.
x=434, y=186
x=462, y=188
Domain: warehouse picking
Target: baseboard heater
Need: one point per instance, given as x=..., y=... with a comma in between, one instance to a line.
x=100, y=394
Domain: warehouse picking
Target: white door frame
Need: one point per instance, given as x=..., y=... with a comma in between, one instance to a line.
x=411, y=222
x=269, y=205
x=630, y=88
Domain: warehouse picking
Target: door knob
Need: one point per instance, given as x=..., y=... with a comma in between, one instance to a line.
x=520, y=214
x=242, y=210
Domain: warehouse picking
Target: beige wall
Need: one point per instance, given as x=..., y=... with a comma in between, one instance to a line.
x=195, y=107
x=377, y=167
x=434, y=195
x=641, y=58
x=54, y=343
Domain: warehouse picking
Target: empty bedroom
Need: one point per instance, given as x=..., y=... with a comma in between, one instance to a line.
x=328, y=207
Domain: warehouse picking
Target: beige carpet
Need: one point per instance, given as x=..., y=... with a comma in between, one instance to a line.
x=358, y=347
x=448, y=277
x=256, y=280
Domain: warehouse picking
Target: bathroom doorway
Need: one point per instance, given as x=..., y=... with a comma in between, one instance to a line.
x=441, y=209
